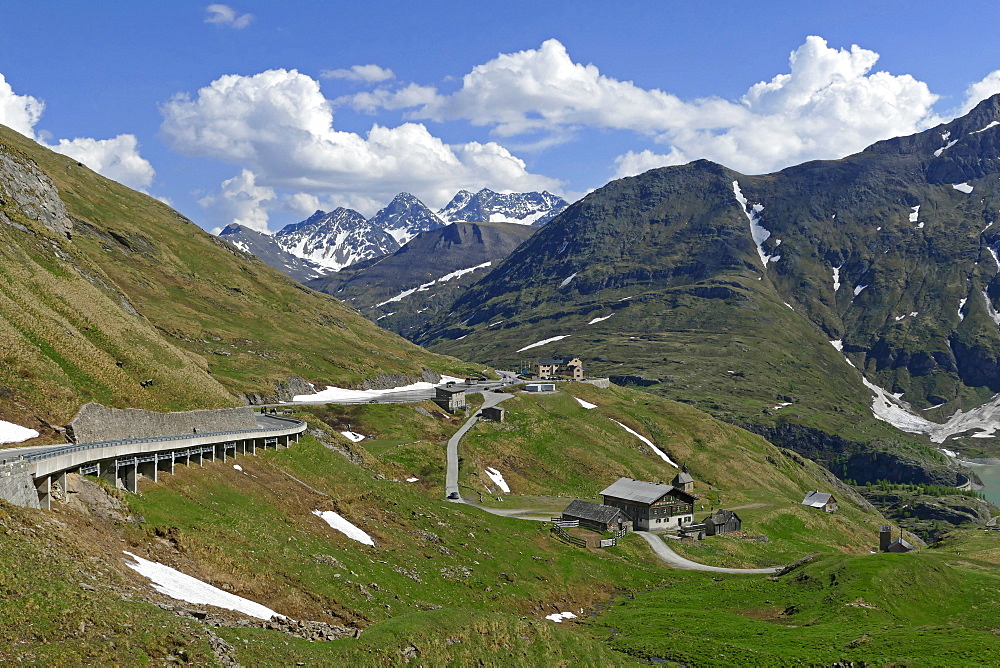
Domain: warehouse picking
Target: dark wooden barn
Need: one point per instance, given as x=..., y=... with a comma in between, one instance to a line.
x=723, y=521
x=595, y=516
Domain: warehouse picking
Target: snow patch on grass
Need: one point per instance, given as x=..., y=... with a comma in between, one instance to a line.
x=14, y=433
x=559, y=616
x=757, y=231
x=601, y=319
x=173, y=583
x=962, y=187
x=353, y=436
x=343, y=526
x=567, y=280
x=536, y=344
x=585, y=404
x=497, y=479
x=648, y=442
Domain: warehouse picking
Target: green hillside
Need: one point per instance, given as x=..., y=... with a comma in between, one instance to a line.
x=138, y=293
x=657, y=280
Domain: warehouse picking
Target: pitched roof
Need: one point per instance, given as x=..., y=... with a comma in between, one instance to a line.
x=682, y=478
x=637, y=490
x=817, y=499
x=722, y=516
x=901, y=543
x=592, y=511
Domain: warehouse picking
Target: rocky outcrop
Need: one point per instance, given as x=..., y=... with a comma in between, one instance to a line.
x=16, y=484
x=95, y=423
x=283, y=391
x=387, y=381
x=30, y=192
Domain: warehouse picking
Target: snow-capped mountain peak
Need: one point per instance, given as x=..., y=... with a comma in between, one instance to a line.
x=336, y=239
x=405, y=217
x=532, y=208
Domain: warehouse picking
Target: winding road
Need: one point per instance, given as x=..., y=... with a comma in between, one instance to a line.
x=659, y=546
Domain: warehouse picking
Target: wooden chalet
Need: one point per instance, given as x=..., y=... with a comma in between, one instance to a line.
x=723, y=521
x=650, y=505
x=595, y=516
x=820, y=500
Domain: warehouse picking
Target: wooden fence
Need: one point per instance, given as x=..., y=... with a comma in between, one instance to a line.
x=573, y=540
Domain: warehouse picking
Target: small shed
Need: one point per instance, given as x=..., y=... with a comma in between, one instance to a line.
x=723, y=521
x=494, y=414
x=683, y=481
x=540, y=387
x=595, y=516
x=820, y=500
x=899, y=545
x=451, y=399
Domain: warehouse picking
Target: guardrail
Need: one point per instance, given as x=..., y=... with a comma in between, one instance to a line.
x=47, y=454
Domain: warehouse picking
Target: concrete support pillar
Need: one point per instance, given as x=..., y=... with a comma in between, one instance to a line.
x=220, y=452
x=60, y=480
x=44, y=487
x=165, y=463
x=148, y=470
x=253, y=446
x=108, y=472
x=128, y=475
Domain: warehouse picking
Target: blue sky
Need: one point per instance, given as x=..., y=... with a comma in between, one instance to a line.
x=256, y=111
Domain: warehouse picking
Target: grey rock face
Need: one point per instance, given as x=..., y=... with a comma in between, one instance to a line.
x=32, y=193
x=336, y=239
x=405, y=217
x=264, y=247
x=532, y=208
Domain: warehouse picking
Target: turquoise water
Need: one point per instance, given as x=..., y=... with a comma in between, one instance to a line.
x=990, y=476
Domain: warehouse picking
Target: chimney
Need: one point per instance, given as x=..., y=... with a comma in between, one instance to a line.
x=884, y=538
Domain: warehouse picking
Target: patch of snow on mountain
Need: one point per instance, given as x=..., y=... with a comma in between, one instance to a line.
x=757, y=231
x=13, y=433
x=962, y=187
x=899, y=317
x=892, y=409
x=648, y=442
x=783, y=404
x=788, y=305
x=601, y=319
x=585, y=404
x=497, y=479
x=991, y=125
x=838, y=344
x=914, y=314
x=961, y=305
x=944, y=148
x=536, y=344
x=338, y=394
x=857, y=290
x=920, y=225
x=996, y=260
x=559, y=616
x=836, y=278
x=427, y=286
x=994, y=316
x=914, y=213
x=353, y=436
x=343, y=526
x=567, y=280
x=561, y=250
x=173, y=583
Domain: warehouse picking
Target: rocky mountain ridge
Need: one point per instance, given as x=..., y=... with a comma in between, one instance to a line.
x=330, y=241
x=403, y=291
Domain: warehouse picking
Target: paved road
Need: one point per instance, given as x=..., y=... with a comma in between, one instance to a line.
x=402, y=397
x=664, y=552
x=264, y=422
x=451, y=476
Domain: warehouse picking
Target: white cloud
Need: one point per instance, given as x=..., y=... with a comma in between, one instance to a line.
x=19, y=112
x=632, y=163
x=828, y=105
x=117, y=158
x=241, y=201
x=278, y=125
x=227, y=16
x=367, y=73
x=979, y=91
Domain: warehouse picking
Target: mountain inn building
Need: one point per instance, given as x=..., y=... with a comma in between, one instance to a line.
x=821, y=501
x=560, y=367
x=650, y=505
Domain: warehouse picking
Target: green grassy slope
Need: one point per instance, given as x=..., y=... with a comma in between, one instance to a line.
x=139, y=292
x=552, y=447
x=920, y=609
